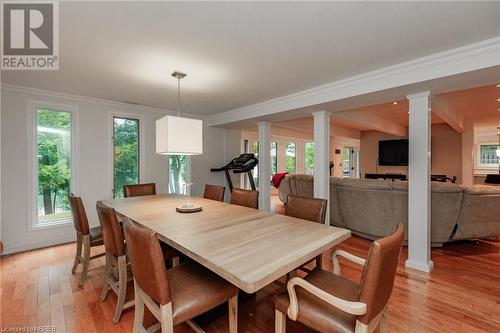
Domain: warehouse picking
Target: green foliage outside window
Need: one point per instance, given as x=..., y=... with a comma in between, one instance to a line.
x=177, y=173
x=53, y=164
x=291, y=157
x=126, y=151
x=309, y=158
x=274, y=158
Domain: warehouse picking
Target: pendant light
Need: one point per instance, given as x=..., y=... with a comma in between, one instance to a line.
x=176, y=135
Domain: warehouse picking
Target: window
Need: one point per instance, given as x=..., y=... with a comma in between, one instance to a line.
x=309, y=158
x=488, y=155
x=256, y=169
x=53, y=148
x=126, y=153
x=290, y=157
x=178, y=173
x=274, y=158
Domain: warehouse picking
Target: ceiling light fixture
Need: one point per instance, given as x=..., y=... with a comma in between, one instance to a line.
x=176, y=135
x=395, y=103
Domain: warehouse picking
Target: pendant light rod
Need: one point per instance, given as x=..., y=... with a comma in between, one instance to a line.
x=179, y=76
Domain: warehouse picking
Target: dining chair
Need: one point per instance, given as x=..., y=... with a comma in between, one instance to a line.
x=311, y=209
x=214, y=192
x=86, y=238
x=331, y=303
x=246, y=198
x=176, y=295
x=136, y=190
x=116, y=259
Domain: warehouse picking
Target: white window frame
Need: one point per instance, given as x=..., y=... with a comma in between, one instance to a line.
x=32, y=167
x=142, y=164
x=480, y=167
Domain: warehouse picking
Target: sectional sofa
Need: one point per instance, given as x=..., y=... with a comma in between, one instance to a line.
x=371, y=208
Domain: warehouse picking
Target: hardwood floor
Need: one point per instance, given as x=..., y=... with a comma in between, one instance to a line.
x=461, y=295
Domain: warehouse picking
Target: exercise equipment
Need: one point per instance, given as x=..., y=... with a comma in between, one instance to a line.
x=241, y=164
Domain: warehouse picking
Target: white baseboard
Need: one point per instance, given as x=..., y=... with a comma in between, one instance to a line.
x=15, y=249
x=421, y=266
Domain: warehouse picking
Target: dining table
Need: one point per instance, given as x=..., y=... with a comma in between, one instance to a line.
x=248, y=247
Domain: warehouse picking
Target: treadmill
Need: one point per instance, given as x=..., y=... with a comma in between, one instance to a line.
x=241, y=164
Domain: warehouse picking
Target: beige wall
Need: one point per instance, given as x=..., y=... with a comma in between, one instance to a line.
x=446, y=152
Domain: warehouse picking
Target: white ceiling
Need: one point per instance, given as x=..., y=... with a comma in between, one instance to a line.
x=242, y=53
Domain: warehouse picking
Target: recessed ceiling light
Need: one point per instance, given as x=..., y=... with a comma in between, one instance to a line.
x=395, y=103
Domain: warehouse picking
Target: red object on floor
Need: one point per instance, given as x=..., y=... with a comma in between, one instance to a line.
x=277, y=178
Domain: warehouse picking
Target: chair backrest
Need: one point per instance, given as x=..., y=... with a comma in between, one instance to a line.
x=80, y=220
x=379, y=273
x=214, y=192
x=246, y=198
x=147, y=263
x=111, y=231
x=310, y=209
x=137, y=190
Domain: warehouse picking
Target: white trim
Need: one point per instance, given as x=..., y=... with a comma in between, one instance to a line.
x=464, y=59
x=77, y=98
x=32, y=246
x=142, y=147
x=31, y=188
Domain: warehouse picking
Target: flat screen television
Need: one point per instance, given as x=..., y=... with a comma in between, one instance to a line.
x=393, y=152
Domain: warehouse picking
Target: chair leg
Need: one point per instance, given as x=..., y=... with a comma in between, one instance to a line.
x=166, y=320
x=86, y=256
x=280, y=322
x=139, y=309
x=122, y=287
x=319, y=262
x=233, y=314
x=78, y=252
x=107, y=278
x=175, y=261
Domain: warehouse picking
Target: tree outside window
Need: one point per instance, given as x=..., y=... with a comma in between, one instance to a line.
x=274, y=157
x=309, y=158
x=178, y=175
x=126, y=153
x=290, y=157
x=53, y=164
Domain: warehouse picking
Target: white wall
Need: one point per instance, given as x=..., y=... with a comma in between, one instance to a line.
x=95, y=161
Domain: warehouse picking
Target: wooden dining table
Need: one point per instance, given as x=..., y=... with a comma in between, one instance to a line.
x=248, y=247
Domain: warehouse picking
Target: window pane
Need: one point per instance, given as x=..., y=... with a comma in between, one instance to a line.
x=54, y=165
x=126, y=153
x=256, y=169
x=177, y=169
x=488, y=154
x=290, y=157
x=274, y=158
x=309, y=158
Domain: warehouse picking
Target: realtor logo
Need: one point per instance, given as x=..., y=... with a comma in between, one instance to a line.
x=30, y=34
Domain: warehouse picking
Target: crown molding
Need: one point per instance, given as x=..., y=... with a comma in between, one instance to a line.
x=78, y=98
x=464, y=59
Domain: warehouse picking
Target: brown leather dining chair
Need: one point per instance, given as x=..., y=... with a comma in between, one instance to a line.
x=214, y=192
x=328, y=302
x=176, y=295
x=86, y=238
x=136, y=190
x=311, y=209
x=246, y=198
x=116, y=259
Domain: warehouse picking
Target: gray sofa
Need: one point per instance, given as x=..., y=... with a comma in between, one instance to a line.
x=371, y=208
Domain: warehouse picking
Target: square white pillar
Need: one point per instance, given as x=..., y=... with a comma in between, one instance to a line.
x=322, y=158
x=419, y=185
x=264, y=165
x=468, y=153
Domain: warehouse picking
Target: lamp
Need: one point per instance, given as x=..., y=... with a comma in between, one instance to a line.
x=176, y=135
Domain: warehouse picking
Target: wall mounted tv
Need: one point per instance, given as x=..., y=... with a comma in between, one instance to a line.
x=393, y=152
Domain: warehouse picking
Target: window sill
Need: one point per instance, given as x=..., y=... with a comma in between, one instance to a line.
x=50, y=225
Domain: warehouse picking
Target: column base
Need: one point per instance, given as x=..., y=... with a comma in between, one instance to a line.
x=420, y=266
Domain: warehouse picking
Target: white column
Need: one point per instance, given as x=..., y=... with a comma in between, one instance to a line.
x=468, y=153
x=419, y=186
x=264, y=165
x=322, y=158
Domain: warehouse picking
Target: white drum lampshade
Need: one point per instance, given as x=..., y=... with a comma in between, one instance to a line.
x=179, y=136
